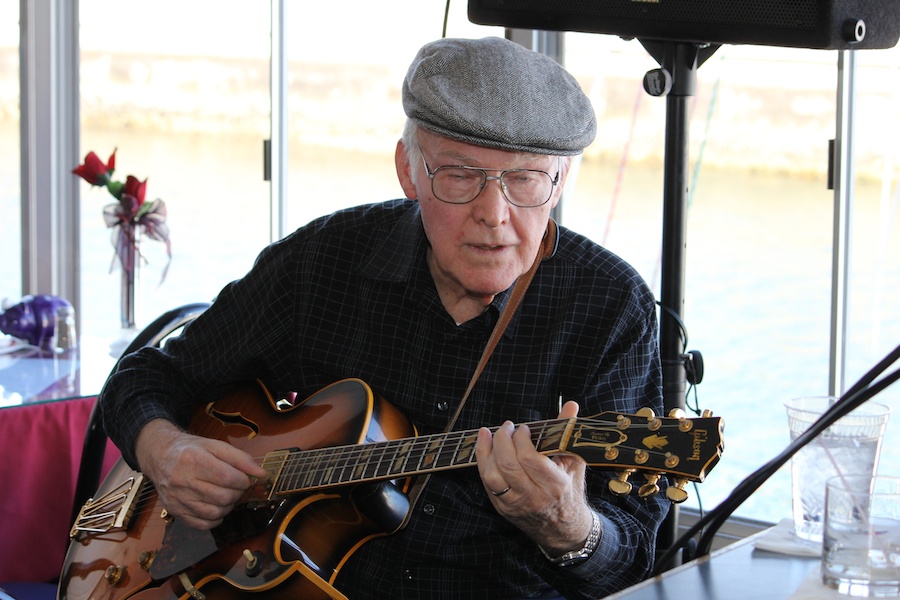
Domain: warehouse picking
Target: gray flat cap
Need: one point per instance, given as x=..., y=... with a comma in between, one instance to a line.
x=496, y=93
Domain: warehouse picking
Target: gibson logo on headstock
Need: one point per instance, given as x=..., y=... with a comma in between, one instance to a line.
x=700, y=437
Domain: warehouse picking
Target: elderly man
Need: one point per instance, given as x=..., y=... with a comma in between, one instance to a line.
x=404, y=295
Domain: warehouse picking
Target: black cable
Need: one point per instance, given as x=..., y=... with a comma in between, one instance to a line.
x=446, y=19
x=692, y=387
x=874, y=371
x=860, y=392
x=682, y=329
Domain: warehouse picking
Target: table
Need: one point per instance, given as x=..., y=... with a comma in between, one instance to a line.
x=29, y=375
x=736, y=572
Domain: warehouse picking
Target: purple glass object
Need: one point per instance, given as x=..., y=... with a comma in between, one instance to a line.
x=33, y=319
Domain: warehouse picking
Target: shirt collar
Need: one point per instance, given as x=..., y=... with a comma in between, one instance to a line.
x=402, y=251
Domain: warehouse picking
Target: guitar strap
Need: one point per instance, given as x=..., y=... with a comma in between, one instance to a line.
x=548, y=246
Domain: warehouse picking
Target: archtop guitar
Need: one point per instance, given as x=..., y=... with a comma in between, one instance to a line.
x=339, y=465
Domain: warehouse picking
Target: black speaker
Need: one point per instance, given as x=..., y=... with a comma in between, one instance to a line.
x=820, y=24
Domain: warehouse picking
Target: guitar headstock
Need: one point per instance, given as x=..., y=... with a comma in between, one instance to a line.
x=685, y=448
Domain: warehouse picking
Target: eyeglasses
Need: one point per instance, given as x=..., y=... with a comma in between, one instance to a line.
x=527, y=188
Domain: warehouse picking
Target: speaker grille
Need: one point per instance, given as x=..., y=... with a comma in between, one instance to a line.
x=782, y=14
x=830, y=24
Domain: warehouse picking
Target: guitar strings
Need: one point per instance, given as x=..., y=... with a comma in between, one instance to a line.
x=380, y=460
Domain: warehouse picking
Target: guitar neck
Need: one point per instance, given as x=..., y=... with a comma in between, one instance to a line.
x=296, y=471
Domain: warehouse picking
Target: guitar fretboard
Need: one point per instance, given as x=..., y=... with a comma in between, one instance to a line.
x=306, y=470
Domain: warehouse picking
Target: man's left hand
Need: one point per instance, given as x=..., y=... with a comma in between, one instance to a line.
x=543, y=496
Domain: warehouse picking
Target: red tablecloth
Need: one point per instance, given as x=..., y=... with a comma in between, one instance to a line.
x=40, y=450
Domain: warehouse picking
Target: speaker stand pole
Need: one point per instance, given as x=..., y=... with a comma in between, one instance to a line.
x=677, y=80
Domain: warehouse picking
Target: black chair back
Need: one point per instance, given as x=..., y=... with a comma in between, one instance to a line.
x=95, y=438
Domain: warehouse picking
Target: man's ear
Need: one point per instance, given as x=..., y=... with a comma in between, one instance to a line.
x=404, y=174
x=564, y=167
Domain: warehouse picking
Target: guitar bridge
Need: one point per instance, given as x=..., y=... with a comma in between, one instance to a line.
x=111, y=511
x=268, y=488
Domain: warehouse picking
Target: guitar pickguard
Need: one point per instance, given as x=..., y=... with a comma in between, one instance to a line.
x=184, y=546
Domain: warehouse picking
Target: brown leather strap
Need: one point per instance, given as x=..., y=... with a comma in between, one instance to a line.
x=548, y=246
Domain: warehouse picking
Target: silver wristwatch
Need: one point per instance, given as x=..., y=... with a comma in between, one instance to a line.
x=590, y=544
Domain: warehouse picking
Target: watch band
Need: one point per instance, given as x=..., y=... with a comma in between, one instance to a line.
x=590, y=544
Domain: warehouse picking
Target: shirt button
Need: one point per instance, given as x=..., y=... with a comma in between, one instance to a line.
x=407, y=574
x=443, y=405
x=429, y=509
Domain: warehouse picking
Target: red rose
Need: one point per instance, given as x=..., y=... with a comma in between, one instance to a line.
x=135, y=188
x=94, y=171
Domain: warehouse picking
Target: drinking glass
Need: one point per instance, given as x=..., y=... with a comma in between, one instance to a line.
x=851, y=445
x=861, y=546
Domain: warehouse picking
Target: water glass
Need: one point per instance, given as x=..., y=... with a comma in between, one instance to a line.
x=851, y=445
x=861, y=546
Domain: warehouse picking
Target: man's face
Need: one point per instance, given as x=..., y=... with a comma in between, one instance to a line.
x=480, y=248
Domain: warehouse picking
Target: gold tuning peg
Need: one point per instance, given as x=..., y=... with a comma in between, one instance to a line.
x=650, y=488
x=676, y=492
x=623, y=422
x=653, y=422
x=707, y=413
x=620, y=485
x=677, y=413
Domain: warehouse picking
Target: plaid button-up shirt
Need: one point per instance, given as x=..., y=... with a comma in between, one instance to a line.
x=350, y=295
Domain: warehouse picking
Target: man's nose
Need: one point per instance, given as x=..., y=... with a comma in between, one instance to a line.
x=491, y=205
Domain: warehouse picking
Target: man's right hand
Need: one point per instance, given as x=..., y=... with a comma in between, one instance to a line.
x=198, y=479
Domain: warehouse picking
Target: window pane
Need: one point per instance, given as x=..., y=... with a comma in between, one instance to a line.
x=10, y=158
x=187, y=106
x=345, y=114
x=759, y=229
x=874, y=321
